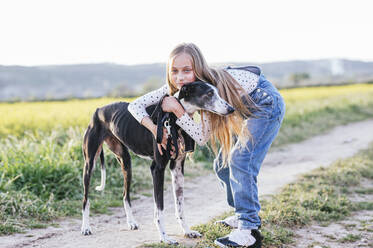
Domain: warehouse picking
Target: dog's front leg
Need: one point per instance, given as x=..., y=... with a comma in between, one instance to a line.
x=177, y=173
x=86, y=229
x=158, y=181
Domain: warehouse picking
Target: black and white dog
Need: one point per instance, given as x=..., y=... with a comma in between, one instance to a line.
x=115, y=126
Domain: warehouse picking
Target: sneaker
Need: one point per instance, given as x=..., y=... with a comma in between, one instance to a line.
x=241, y=238
x=231, y=221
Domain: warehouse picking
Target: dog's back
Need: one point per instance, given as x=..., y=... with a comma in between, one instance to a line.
x=120, y=122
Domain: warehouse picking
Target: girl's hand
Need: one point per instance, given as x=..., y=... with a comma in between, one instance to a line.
x=170, y=104
x=164, y=142
x=164, y=139
x=148, y=123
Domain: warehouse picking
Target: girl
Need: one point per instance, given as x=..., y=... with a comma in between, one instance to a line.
x=244, y=136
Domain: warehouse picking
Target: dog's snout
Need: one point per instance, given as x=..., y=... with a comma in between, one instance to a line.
x=230, y=109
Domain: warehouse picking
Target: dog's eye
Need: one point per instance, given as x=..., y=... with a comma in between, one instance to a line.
x=210, y=94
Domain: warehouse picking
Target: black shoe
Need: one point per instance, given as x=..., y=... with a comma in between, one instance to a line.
x=241, y=238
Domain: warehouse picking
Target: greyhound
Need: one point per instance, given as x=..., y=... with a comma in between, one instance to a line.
x=114, y=125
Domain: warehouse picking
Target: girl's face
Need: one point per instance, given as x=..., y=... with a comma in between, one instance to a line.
x=181, y=70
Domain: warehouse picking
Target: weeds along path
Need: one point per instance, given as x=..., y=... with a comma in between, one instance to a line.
x=204, y=197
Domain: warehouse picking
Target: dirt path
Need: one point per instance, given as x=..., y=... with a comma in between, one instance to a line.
x=353, y=231
x=204, y=198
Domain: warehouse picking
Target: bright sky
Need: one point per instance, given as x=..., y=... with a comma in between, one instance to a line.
x=41, y=32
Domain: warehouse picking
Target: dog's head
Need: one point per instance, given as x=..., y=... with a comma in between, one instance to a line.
x=203, y=96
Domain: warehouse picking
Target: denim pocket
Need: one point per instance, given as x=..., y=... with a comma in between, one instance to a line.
x=263, y=101
x=261, y=97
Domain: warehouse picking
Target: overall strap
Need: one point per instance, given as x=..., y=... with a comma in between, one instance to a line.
x=251, y=68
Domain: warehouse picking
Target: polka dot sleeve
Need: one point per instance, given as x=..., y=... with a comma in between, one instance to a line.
x=246, y=79
x=200, y=133
x=138, y=107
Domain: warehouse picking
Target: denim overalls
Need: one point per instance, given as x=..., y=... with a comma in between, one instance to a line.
x=240, y=177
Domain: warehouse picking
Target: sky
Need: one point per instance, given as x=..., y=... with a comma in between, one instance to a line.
x=50, y=32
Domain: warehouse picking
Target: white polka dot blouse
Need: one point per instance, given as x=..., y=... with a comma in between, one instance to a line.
x=198, y=131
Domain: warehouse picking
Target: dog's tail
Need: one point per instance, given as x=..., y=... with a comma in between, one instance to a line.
x=103, y=171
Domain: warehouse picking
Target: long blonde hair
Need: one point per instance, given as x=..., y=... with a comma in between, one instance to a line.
x=223, y=128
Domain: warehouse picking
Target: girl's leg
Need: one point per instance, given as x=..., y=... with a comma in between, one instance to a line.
x=245, y=166
x=246, y=161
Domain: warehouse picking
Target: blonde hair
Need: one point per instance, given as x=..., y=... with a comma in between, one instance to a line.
x=223, y=128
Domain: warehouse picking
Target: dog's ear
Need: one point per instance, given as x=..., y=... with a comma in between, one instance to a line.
x=184, y=92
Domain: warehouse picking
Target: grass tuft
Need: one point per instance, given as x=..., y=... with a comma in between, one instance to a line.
x=350, y=238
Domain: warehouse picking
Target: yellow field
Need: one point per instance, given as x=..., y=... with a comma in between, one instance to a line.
x=44, y=116
x=304, y=100
x=16, y=118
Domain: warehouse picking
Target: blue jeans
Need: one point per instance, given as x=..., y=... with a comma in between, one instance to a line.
x=240, y=177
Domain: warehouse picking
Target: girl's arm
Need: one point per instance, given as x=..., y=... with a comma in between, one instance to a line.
x=138, y=110
x=138, y=107
x=246, y=79
x=197, y=131
x=200, y=133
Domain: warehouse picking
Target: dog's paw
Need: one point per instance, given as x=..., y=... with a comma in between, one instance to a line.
x=86, y=231
x=132, y=225
x=167, y=240
x=100, y=188
x=192, y=234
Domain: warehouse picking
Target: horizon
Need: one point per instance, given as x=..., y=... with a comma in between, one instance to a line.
x=214, y=63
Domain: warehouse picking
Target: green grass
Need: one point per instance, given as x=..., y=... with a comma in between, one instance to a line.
x=364, y=206
x=350, y=238
x=364, y=191
x=315, y=196
x=41, y=180
x=41, y=160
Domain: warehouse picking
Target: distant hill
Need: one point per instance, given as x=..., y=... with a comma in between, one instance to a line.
x=96, y=80
x=62, y=81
